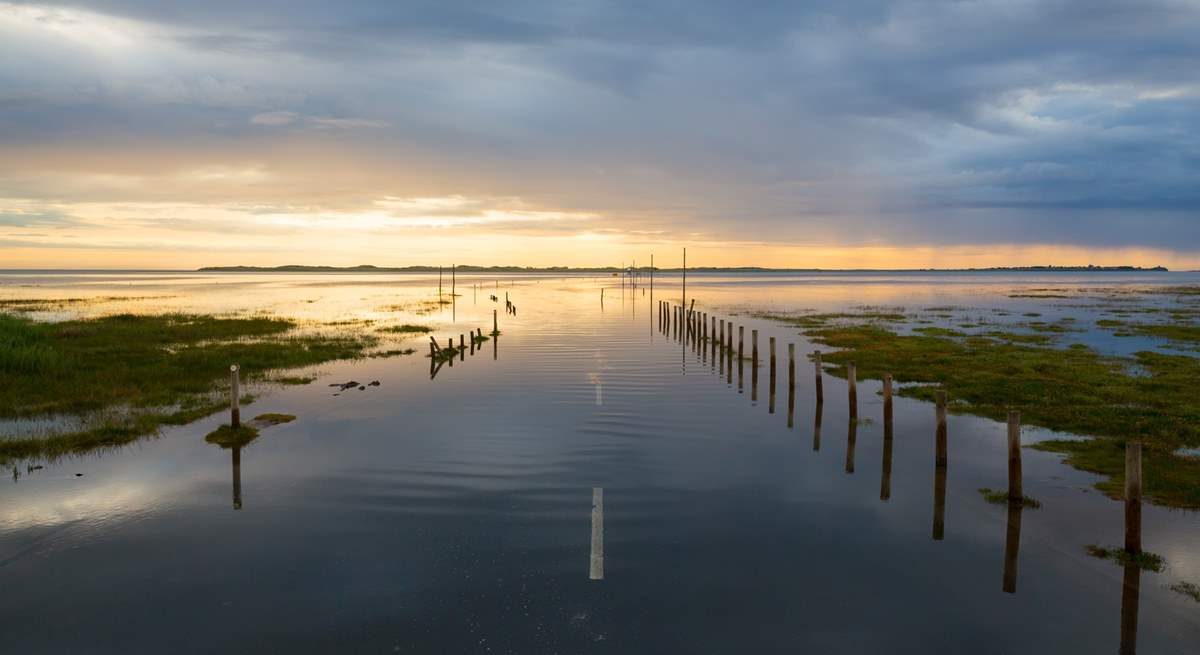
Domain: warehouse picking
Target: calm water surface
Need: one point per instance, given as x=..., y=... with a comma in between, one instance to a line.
x=454, y=513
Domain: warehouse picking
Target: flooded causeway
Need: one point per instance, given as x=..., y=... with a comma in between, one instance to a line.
x=591, y=479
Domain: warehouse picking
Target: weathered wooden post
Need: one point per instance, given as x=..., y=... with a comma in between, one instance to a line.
x=495, y=324
x=820, y=386
x=1133, y=497
x=741, y=360
x=852, y=388
x=791, y=383
x=722, y=337
x=1015, y=493
x=729, y=355
x=596, y=560
x=941, y=458
x=235, y=411
x=771, y=393
x=450, y=354
x=887, y=399
x=753, y=366
x=462, y=348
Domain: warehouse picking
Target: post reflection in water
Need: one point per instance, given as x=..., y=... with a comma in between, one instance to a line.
x=1012, y=546
x=939, y=503
x=885, y=482
x=851, y=439
x=237, y=477
x=817, y=427
x=1131, y=588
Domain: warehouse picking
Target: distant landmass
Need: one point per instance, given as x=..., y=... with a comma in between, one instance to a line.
x=367, y=268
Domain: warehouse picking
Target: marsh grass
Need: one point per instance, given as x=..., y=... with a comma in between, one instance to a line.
x=228, y=437
x=166, y=368
x=1149, y=397
x=1187, y=589
x=1144, y=560
x=407, y=329
x=998, y=497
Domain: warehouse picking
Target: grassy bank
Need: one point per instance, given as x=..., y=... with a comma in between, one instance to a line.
x=156, y=370
x=1149, y=397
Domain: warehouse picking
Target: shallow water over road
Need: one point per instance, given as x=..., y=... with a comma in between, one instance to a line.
x=457, y=512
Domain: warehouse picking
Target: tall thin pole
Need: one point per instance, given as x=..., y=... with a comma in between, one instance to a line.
x=685, y=277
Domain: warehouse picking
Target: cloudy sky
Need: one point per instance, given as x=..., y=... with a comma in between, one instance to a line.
x=164, y=133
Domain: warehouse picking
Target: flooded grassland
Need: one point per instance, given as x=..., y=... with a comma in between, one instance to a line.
x=587, y=475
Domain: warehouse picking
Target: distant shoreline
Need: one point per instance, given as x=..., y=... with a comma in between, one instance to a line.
x=296, y=268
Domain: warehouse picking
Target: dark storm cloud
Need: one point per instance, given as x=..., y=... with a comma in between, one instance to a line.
x=1072, y=121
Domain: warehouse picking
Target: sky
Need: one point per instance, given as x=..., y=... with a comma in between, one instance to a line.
x=904, y=134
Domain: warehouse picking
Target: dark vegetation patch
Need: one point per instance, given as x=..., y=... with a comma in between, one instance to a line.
x=1187, y=589
x=166, y=369
x=407, y=329
x=229, y=437
x=997, y=497
x=1145, y=561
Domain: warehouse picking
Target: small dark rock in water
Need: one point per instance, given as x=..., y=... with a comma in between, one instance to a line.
x=362, y=388
x=374, y=383
x=79, y=475
x=345, y=385
x=30, y=469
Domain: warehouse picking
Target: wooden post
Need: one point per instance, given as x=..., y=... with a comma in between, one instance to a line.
x=741, y=361
x=439, y=283
x=462, y=348
x=852, y=388
x=1015, y=493
x=596, y=560
x=235, y=411
x=820, y=387
x=1133, y=497
x=722, y=336
x=495, y=325
x=887, y=398
x=753, y=366
x=729, y=355
x=940, y=458
x=771, y=393
x=453, y=280
x=791, y=383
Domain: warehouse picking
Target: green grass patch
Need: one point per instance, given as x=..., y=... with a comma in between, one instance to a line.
x=1072, y=390
x=939, y=332
x=997, y=497
x=230, y=437
x=272, y=418
x=164, y=370
x=407, y=329
x=1144, y=560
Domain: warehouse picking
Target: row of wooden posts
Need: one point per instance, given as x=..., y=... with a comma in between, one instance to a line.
x=697, y=328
